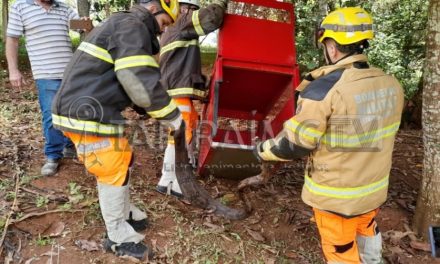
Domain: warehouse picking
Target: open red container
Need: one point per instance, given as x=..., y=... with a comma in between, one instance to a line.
x=253, y=82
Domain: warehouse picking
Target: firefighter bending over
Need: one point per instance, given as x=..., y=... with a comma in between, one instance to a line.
x=112, y=69
x=181, y=69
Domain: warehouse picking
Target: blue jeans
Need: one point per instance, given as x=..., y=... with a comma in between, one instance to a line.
x=55, y=140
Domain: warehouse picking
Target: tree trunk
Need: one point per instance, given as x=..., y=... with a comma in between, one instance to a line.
x=83, y=8
x=107, y=10
x=5, y=10
x=412, y=111
x=83, y=11
x=428, y=203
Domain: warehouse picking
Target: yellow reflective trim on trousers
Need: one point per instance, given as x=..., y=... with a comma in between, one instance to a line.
x=88, y=126
x=164, y=111
x=344, y=140
x=135, y=61
x=96, y=51
x=196, y=23
x=302, y=130
x=178, y=44
x=182, y=91
x=345, y=193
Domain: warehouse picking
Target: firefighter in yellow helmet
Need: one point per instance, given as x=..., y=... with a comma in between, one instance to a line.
x=347, y=117
x=112, y=69
x=181, y=69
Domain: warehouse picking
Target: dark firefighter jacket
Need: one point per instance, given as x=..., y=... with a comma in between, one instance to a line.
x=180, y=61
x=91, y=97
x=346, y=121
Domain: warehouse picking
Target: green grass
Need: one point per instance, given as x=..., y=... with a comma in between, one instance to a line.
x=43, y=241
x=208, y=58
x=209, y=54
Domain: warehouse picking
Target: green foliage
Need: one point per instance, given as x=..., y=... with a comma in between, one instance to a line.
x=5, y=184
x=2, y=223
x=75, y=193
x=307, y=18
x=10, y=196
x=399, y=44
x=101, y=9
x=41, y=201
x=43, y=241
x=75, y=38
x=21, y=47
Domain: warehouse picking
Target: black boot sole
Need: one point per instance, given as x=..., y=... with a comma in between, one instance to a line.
x=164, y=190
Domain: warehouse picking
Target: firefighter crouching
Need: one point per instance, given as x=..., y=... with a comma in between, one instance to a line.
x=347, y=117
x=112, y=69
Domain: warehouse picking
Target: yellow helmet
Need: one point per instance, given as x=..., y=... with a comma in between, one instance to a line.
x=171, y=7
x=346, y=25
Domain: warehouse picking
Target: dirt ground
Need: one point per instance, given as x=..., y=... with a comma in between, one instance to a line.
x=57, y=220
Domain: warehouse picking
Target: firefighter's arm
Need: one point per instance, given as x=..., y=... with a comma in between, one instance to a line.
x=204, y=20
x=301, y=134
x=138, y=72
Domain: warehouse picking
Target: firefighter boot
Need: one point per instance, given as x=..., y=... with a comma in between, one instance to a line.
x=123, y=240
x=168, y=182
x=135, y=250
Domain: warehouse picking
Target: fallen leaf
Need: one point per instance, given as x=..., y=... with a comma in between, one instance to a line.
x=29, y=261
x=396, y=250
x=395, y=236
x=420, y=246
x=226, y=238
x=49, y=254
x=291, y=255
x=8, y=258
x=256, y=219
x=74, y=199
x=87, y=203
x=87, y=245
x=154, y=245
x=229, y=198
x=255, y=235
x=55, y=229
x=270, y=249
x=269, y=261
x=130, y=258
x=214, y=228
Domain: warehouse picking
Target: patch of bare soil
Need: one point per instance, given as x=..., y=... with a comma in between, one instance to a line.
x=57, y=219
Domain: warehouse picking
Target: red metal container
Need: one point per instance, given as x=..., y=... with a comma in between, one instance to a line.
x=252, y=83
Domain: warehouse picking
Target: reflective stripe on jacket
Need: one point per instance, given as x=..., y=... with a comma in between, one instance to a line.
x=346, y=121
x=180, y=59
x=91, y=98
